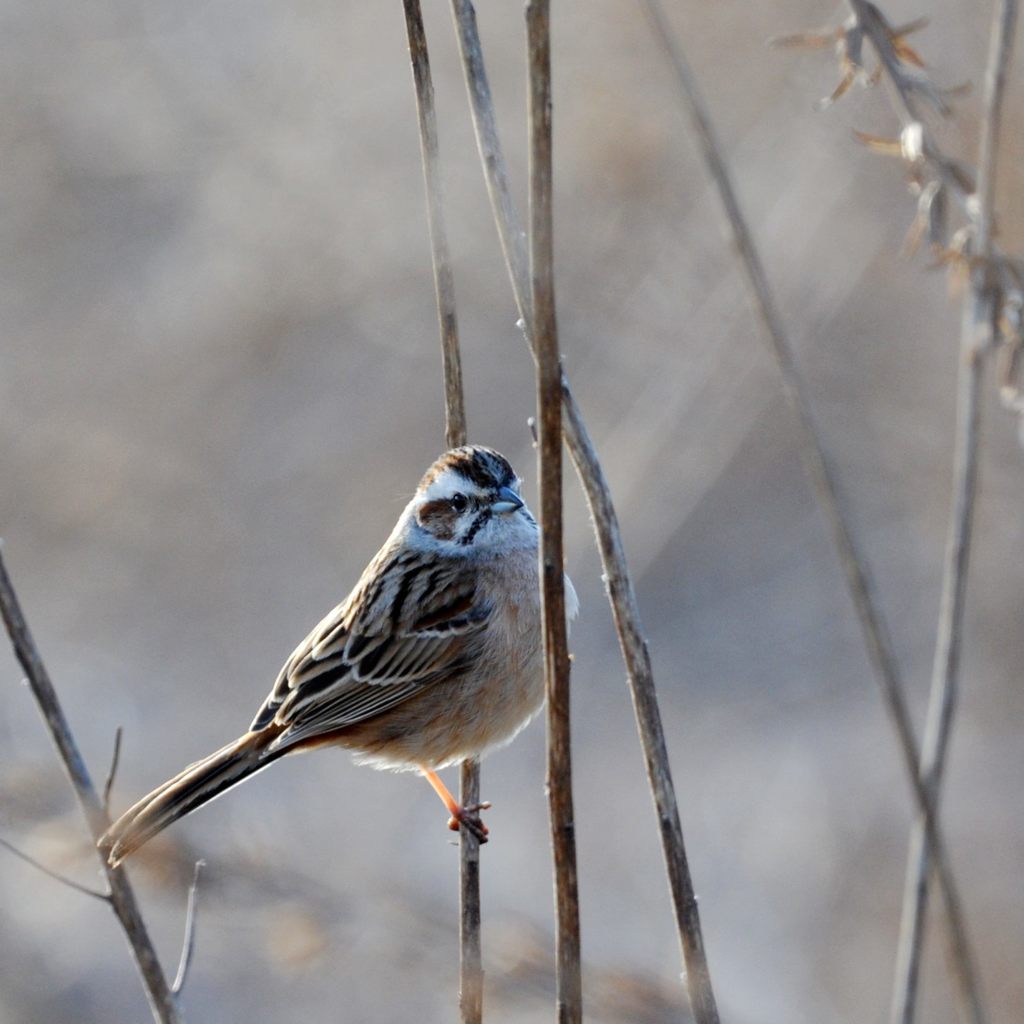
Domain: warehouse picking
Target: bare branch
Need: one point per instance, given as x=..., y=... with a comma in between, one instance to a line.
x=112, y=774
x=471, y=976
x=902, y=66
x=823, y=479
x=640, y=673
x=471, y=973
x=903, y=71
x=121, y=898
x=188, y=942
x=56, y=875
x=444, y=284
x=905, y=86
x=995, y=90
x=506, y=218
x=925, y=160
x=940, y=714
x=621, y=595
x=978, y=332
x=568, y=982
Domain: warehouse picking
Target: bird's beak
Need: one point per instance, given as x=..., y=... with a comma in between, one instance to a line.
x=508, y=501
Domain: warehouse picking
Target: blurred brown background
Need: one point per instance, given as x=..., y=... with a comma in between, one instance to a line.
x=220, y=380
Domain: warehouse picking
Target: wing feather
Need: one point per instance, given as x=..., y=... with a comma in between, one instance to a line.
x=408, y=624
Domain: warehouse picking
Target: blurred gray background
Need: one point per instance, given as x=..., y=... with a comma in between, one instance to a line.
x=220, y=381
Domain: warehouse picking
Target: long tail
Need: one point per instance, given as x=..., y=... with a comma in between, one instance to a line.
x=196, y=785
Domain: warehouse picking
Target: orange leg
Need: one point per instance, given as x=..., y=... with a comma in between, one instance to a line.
x=468, y=816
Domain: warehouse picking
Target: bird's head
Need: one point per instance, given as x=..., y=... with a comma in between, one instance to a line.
x=469, y=501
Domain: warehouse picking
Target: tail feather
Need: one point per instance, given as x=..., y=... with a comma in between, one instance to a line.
x=198, y=784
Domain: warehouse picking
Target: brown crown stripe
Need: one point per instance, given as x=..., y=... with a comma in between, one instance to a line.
x=481, y=466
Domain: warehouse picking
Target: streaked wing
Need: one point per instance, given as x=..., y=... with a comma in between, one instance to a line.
x=410, y=622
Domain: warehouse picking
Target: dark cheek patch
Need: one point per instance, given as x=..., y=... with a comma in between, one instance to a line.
x=438, y=518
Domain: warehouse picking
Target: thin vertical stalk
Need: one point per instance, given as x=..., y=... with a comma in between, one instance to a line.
x=471, y=972
x=823, y=480
x=188, y=942
x=122, y=898
x=640, y=675
x=444, y=282
x=569, y=993
x=1000, y=51
x=621, y=593
x=506, y=217
x=471, y=977
x=976, y=339
x=943, y=696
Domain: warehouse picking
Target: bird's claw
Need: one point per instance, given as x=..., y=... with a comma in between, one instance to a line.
x=469, y=817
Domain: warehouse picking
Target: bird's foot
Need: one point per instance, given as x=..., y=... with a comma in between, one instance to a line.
x=469, y=818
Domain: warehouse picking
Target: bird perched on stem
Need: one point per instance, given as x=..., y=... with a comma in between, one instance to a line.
x=434, y=657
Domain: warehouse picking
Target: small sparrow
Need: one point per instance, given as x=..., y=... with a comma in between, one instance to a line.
x=434, y=657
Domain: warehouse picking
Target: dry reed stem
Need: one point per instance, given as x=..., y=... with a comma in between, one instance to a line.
x=906, y=89
x=104, y=897
x=122, y=899
x=444, y=282
x=976, y=340
x=568, y=983
x=188, y=942
x=621, y=595
x=471, y=978
x=471, y=971
x=823, y=479
x=115, y=760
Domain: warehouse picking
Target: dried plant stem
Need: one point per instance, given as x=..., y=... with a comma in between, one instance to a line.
x=121, y=897
x=941, y=707
x=569, y=992
x=471, y=977
x=506, y=218
x=621, y=595
x=471, y=972
x=188, y=943
x=954, y=177
x=444, y=283
x=904, y=98
x=823, y=480
x=640, y=673
x=1001, y=49
x=976, y=339
x=115, y=760
x=104, y=897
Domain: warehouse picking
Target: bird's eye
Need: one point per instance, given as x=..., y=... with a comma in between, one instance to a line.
x=460, y=502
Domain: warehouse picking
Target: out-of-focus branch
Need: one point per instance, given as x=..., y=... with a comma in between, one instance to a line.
x=1001, y=49
x=471, y=977
x=188, y=942
x=995, y=300
x=941, y=705
x=621, y=595
x=506, y=217
x=122, y=899
x=933, y=174
x=908, y=84
x=569, y=992
x=819, y=469
x=905, y=88
x=978, y=332
x=55, y=875
x=444, y=283
x=115, y=760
